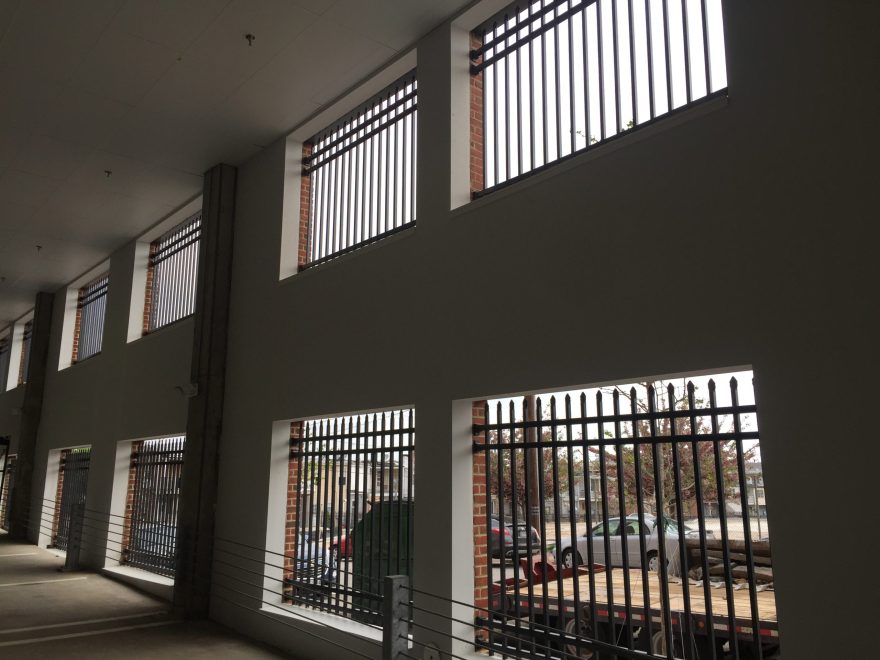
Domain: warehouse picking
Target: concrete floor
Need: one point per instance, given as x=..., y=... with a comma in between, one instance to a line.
x=46, y=613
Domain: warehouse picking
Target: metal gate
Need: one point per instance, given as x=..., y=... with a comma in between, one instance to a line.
x=152, y=533
x=73, y=478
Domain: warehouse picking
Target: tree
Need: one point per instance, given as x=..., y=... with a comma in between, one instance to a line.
x=700, y=453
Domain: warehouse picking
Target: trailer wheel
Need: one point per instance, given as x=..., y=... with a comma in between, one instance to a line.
x=582, y=628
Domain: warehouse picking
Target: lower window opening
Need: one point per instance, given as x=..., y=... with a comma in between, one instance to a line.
x=621, y=520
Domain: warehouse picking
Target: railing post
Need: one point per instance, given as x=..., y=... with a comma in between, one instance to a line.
x=74, y=537
x=395, y=628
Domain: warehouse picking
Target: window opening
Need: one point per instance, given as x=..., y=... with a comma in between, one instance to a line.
x=350, y=511
x=26, y=336
x=672, y=459
x=172, y=274
x=359, y=176
x=150, y=534
x=73, y=477
x=555, y=77
x=91, y=307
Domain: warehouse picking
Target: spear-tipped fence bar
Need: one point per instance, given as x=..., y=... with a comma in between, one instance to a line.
x=629, y=572
x=560, y=76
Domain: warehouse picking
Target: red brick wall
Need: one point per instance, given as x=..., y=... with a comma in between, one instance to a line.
x=305, y=194
x=296, y=430
x=148, y=294
x=58, y=491
x=77, y=327
x=476, y=121
x=481, y=539
x=129, y=500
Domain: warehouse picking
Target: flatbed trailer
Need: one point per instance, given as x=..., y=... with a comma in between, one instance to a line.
x=549, y=615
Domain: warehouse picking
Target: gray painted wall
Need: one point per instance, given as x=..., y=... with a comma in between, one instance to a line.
x=736, y=237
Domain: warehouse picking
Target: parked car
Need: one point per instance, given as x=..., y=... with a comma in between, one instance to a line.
x=507, y=547
x=313, y=569
x=649, y=531
x=342, y=545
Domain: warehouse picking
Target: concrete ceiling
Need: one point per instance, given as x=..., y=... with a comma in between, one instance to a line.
x=157, y=91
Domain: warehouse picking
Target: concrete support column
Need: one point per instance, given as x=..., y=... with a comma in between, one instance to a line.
x=31, y=411
x=444, y=556
x=198, y=484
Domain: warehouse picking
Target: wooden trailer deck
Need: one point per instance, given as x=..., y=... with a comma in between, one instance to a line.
x=742, y=610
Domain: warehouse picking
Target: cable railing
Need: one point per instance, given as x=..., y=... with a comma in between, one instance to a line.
x=243, y=581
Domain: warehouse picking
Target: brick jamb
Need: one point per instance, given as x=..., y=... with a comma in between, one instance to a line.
x=305, y=199
x=129, y=502
x=477, y=139
x=148, y=293
x=481, y=533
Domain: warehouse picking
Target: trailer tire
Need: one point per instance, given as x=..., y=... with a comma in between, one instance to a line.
x=582, y=628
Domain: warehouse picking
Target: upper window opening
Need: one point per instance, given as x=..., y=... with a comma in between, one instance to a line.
x=359, y=176
x=91, y=307
x=26, y=337
x=554, y=77
x=172, y=274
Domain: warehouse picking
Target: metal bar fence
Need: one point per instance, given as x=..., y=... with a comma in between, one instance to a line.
x=362, y=174
x=25, y=352
x=73, y=472
x=635, y=563
x=91, y=308
x=4, y=361
x=560, y=76
x=174, y=262
x=152, y=537
x=352, y=509
x=6, y=492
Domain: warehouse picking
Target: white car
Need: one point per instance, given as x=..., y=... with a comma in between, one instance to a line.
x=596, y=537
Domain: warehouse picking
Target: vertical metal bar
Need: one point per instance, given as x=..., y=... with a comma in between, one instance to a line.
x=544, y=117
x=386, y=216
x=679, y=513
x=487, y=466
x=333, y=462
x=634, y=101
x=601, y=60
x=506, y=61
x=410, y=495
x=531, y=46
x=527, y=474
x=615, y=43
x=603, y=481
x=685, y=30
x=519, y=126
x=588, y=505
x=722, y=513
x=701, y=519
x=541, y=499
x=502, y=547
x=586, y=63
x=571, y=94
x=560, y=591
x=572, y=500
x=640, y=509
x=495, y=103
x=557, y=66
x=389, y=504
x=649, y=51
x=706, y=61
x=668, y=56
x=621, y=506
x=747, y=532
x=515, y=517
x=662, y=568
